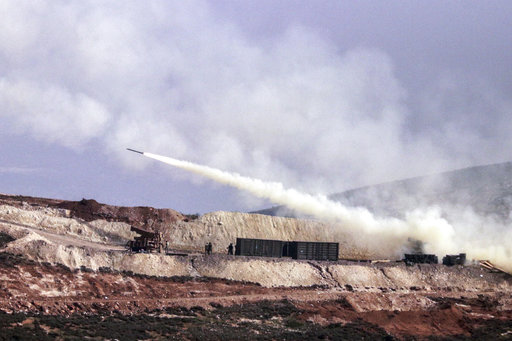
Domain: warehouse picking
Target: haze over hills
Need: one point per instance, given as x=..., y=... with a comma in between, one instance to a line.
x=484, y=190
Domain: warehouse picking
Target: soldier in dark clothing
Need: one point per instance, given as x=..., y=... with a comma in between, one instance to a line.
x=210, y=248
x=230, y=249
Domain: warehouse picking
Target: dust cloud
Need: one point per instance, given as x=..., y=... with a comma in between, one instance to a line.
x=388, y=234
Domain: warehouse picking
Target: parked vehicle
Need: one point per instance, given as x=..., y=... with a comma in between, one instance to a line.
x=450, y=260
x=419, y=258
x=147, y=241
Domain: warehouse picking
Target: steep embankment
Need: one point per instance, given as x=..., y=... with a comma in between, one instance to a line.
x=88, y=220
x=44, y=301
x=48, y=234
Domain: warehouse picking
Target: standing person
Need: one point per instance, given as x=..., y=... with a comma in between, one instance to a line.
x=210, y=248
x=230, y=249
x=166, y=246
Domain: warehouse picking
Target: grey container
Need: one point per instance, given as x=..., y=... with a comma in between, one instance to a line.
x=293, y=249
x=313, y=250
x=259, y=247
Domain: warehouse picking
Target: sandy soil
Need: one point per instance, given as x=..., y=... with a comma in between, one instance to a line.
x=29, y=287
x=60, y=273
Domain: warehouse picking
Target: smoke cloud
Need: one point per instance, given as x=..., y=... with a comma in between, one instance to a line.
x=391, y=234
x=322, y=103
x=299, y=106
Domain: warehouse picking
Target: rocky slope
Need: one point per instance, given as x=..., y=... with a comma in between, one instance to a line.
x=68, y=258
x=49, y=233
x=91, y=221
x=43, y=302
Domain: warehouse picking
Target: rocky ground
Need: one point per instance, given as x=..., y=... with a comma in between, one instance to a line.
x=64, y=274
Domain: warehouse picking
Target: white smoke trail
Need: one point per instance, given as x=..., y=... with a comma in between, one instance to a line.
x=388, y=234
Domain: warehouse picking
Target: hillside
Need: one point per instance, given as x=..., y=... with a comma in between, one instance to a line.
x=65, y=273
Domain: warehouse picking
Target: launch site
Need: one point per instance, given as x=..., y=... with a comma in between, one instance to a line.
x=73, y=269
x=255, y=170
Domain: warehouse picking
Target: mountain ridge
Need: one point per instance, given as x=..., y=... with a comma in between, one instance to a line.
x=486, y=189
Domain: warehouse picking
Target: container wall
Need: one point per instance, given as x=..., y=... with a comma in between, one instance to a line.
x=421, y=258
x=314, y=250
x=296, y=250
x=258, y=247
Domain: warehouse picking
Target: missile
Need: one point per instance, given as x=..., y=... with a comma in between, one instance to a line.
x=135, y=151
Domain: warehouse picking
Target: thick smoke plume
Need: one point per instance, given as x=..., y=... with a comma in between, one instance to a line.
x=304, y=103
x=271, y=91
x=390, y=235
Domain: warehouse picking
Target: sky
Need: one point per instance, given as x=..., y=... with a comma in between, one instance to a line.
x=320, y=96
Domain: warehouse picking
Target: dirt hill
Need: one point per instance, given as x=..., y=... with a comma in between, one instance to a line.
x=64, y=267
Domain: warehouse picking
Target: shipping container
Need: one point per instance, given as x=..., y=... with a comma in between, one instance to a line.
x=259, y=247
x=313, y=250
x=293, y=249
x=417, y=258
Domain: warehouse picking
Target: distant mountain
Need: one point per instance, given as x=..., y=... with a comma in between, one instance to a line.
x=487, y=190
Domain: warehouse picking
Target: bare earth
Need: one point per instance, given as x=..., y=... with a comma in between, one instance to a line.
x=66, y=277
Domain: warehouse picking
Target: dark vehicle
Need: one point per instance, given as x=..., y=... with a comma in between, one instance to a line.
x=450, y=260
x=293, y=249
x=420, y=258
x=147, y=241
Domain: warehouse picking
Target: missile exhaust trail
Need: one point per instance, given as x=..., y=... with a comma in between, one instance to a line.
x=387, y=234
x=316, y=205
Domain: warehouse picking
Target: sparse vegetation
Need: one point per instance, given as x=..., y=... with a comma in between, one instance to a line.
x=256, y=321
x=190, y=217
x=5, y=239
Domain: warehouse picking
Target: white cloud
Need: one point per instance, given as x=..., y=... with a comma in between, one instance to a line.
x=52, y=113
x=173, y=78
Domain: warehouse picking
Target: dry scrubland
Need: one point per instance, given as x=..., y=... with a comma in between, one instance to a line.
x=63, y=259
